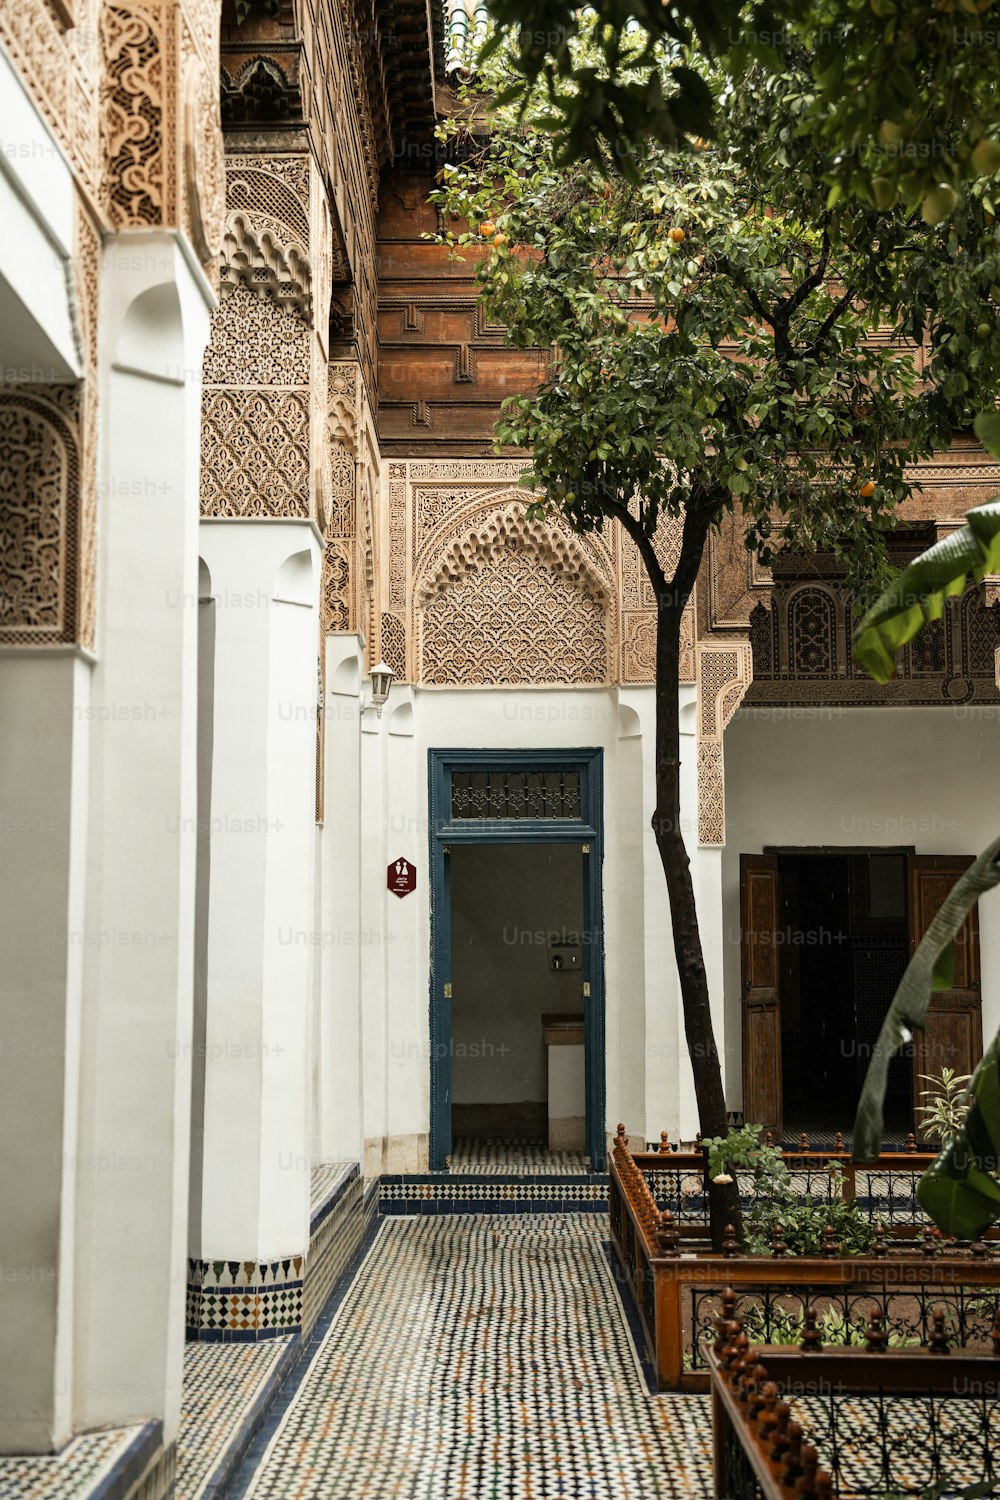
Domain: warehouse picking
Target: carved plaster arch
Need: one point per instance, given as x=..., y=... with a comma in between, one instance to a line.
x=466, y=517
x=510, y=601
x=506, y=528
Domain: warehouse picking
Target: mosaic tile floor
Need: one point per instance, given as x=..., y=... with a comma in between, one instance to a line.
x=515, y=1158
x=222, y=1382
x=79, y=1469
x=478, y=1358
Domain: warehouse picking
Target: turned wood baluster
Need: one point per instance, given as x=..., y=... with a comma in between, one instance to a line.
x=779, y=1441
x=937, y=1343
x=668, y=1235
x=730, y=1244
x=995, y=1334
x=811, y=1341
x=804, y=1142
x=838, y=1141
x=911, y=1143
x=806, y=1487
x=829, y=1249
x=931, y=1242
x=741, y=1343
x=793, y=1455
x=768, y=1138
x=778, y=1246
x=768, y=1420
x=755, y=1405
x=876, y=1337
x=723, y=1321
x=664, y=1143
x=880, y=1250
x=979, y=1249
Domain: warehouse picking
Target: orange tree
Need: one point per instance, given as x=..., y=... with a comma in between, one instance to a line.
x=709, y=327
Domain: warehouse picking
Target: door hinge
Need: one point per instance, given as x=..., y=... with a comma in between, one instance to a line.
x=586, y=991
x=586, y=848
x=447, y=992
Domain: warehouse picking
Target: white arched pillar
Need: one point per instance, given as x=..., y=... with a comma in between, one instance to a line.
x=259, y=951
x=131, y=1159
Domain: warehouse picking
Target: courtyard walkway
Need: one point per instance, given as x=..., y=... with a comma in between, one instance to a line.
x=480, y=1358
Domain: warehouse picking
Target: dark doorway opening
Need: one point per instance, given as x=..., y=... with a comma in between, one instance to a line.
x=842, y=948
x=518, y=971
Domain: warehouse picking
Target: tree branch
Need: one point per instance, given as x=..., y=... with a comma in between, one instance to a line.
x=647, y=551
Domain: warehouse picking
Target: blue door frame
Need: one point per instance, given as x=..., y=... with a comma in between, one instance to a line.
x=587, y=831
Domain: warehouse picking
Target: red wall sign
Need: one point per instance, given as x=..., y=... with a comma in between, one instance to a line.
x=402, y=877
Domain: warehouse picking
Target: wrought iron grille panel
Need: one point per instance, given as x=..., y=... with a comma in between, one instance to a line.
x=741, y=1481
x=775, y=1315
x=515, y=794
x=887, y=1441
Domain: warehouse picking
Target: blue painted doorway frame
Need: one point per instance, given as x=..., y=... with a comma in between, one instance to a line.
x=588, y=832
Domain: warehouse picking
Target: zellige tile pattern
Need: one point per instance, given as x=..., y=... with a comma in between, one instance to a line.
x=222, y=1383
x=82, y=1467
x=476, y=1358
x=495, y=1158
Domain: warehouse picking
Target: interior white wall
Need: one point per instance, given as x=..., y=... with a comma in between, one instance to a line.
x=508, y=901
x=642, y=1050
x=925, y=778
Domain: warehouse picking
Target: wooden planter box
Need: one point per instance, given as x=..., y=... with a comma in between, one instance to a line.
x=677, y=1295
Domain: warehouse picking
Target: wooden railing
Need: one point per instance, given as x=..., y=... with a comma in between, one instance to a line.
x=677, y=1292
x=870, y=1421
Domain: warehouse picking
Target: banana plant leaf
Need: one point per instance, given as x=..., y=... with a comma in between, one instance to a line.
x=929, y=969
x=956, y=1190
x=919, y=592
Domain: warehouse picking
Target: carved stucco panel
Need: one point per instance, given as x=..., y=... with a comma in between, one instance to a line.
x=724, y=673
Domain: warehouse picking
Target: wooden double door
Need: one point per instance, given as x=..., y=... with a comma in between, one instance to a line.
x=953, y=1035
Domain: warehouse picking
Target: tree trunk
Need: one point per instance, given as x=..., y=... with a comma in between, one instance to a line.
x=724, y=1202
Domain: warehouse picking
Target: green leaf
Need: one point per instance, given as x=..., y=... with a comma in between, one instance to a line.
x=919, y=592
x=910, y=1002
x=960, y=1191
x=987, y=430
x=944, y=968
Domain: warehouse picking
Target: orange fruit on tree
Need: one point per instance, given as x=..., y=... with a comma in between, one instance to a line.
x=677, y=234
x=501, y=239
x=867, y=490
x=487, y=229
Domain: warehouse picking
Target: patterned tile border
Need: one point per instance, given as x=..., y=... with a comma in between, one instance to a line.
x=232, y=1301
x=440, y=1193
x=127, y=1463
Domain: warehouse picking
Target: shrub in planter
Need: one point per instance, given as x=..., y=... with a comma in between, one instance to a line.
x=776, y=1204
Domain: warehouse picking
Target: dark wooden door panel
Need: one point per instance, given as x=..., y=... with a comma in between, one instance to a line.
x=953, y=1036
x=761, y=1003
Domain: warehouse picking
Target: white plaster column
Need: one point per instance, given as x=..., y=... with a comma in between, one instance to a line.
x=262, y=834
x=43, y=815
x=374, y=1038
x=627, y=1022
x=132, y=1152
x=341, y=936
x=45, y=692
x=407, y=1105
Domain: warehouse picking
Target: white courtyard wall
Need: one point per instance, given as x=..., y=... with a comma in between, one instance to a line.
x=924, y=778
